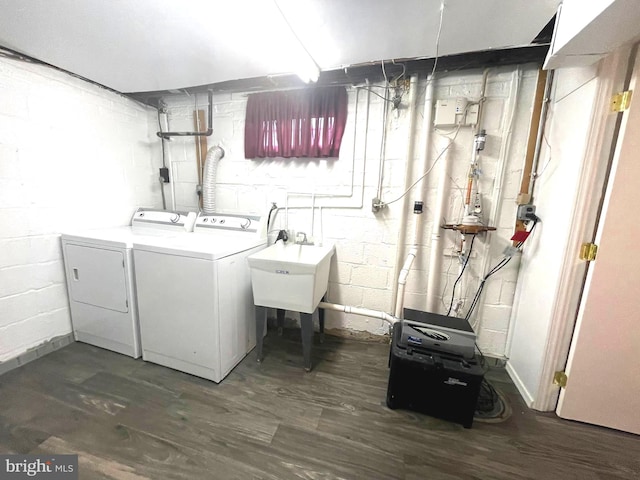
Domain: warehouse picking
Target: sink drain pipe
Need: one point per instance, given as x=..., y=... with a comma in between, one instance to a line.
x=365, y=312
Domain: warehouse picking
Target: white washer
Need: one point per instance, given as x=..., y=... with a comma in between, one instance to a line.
x=100, y=280
x=194, y=295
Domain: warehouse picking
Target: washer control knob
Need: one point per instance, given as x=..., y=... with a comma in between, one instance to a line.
x=175, y=218
x=245, y=223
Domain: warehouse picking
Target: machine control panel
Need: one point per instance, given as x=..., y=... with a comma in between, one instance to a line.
x=214, y=222
x=162, y=219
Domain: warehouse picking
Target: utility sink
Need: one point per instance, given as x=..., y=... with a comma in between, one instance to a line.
x=290, y=276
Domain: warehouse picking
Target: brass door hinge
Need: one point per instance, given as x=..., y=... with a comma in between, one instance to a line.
x=620, y=101
x=588, y=252
x=560, y=379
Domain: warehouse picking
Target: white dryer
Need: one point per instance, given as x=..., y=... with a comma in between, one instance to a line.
x=100, y=280
x=194, y=295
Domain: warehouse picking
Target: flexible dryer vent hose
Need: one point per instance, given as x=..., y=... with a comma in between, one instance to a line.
x=209, y=179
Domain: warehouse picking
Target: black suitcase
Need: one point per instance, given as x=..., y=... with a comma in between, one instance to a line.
x=440, y=385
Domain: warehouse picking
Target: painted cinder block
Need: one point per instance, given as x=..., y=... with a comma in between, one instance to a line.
x=368, y=276
x=363, y=240
x=492, y=343
x=96, y=180
x=496, y=317
x=377, y=299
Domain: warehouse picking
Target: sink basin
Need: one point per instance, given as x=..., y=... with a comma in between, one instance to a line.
x=291, y=277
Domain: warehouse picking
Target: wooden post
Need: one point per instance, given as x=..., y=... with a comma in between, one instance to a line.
x=531, y=142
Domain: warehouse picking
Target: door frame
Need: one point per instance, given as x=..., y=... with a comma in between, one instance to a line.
x=613, y=76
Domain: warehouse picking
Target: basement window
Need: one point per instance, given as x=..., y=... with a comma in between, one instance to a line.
x=299, y=123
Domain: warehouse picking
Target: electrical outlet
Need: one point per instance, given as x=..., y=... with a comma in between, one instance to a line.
x=526, y=212
x=376, y=205
x=164, y=174
x=472, y=114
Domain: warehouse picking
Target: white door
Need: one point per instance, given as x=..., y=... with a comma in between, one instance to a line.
x=603, y=368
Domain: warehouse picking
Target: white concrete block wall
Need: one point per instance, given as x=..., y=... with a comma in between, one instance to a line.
x=72, y=156
x=362, y=271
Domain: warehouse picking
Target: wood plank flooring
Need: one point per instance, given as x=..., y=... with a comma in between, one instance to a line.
x=128, y=419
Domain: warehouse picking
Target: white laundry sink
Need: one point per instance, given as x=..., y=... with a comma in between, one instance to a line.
x=291, y=277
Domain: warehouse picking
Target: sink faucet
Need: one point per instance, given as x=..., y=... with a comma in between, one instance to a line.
x=301, y=239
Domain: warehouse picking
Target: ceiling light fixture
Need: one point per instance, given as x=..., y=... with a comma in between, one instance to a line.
x=307, y=69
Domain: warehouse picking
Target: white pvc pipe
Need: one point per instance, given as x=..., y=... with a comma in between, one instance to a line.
x=498, y=185
x=321, y=226
x=413, y=86
x=383, y=140
x=286, y=212
x=172, y=181
x=435, y=253
x=169, y=163
x=402, y=279
x=313, y=212
x=423, y=163
x=365, y=312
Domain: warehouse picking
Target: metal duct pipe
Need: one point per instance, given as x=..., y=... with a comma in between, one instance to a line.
x=214, y=155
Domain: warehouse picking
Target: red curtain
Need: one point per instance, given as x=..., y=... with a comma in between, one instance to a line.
x=298, y=123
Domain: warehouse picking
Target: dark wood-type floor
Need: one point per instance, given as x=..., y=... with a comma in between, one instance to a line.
x=128, y=419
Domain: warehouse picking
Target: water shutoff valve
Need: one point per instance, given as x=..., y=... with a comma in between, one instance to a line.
x=479, y=140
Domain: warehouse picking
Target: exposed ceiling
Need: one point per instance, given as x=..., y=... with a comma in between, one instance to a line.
x=151, y=45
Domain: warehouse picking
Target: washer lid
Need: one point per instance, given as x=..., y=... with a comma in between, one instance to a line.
x=196, y=246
